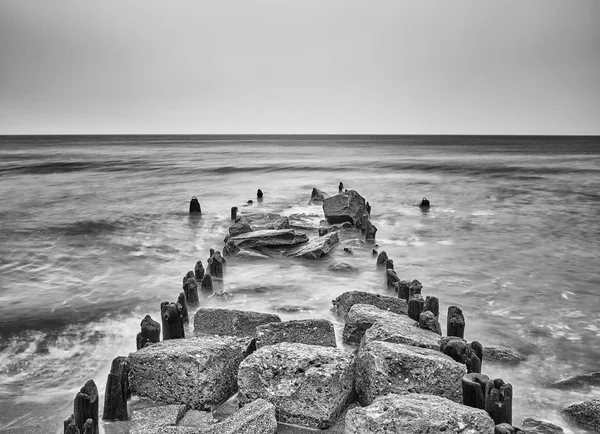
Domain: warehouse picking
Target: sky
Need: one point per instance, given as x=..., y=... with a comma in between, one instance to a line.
x=300, y=67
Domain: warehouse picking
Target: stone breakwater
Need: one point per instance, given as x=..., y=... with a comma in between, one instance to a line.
x=250, y=372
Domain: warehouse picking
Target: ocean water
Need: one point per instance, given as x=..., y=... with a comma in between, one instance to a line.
x=95, y=233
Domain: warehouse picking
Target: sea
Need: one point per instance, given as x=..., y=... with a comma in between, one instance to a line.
x=96, y=233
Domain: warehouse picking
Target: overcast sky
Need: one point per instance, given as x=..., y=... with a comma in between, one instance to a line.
x=323, y=66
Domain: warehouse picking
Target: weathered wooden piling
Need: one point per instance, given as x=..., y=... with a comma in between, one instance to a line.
x=172, y=320
x=216, y=264
x=259, y=194
x=474, y=357
x=190, y=288
x=88, y=427
x=370, y=230
x=454, y=347
x=389, y=264
x=381, y=259
x=432, y=304
x=415, y=306
x=392, y=278
x=428, y=321
x=184, y=307
x=498, y=401
x=424, y=203
x=195, y=206
x=415, y=288
x=455, y=326
x=341, y=187
x=198, y=271
x=85, y=406
x=368, y=207
x=69, y=426
x=474, y=386
x=187, y=276
x=207, y=284
x=117, y=390
x=403, y=289
x=150, y=332
x=234, y=210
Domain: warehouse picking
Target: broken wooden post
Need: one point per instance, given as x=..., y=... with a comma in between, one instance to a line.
x=424, y=203
x=188, y=275
x=195, y=206
x=207, y=285
x=69, y=426
x=172, y=320
x=259, y=194
x=404, y=289
x=432, y=304
x=415, y=306
x=381, y=259
x=184, y=308
x=455, y=326
x=392, y=278
x=389, y=264
x=454, y=347
x=117, y=389
x=474, y=357
x=190, y=288
x=85, y=406
x=415, y=288
x=341, y=187
x=368, y=207
x=498, y=401
x=198, y=271
x=150, y=332
x=216, y=264
x=88, y=427
x=474, y=386
x=234, y=210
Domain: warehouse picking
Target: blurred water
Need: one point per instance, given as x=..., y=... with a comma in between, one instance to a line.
x=95, y=234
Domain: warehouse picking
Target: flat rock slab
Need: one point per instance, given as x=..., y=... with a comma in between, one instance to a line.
x=533, y=426
x=585, y=414
x=200, y=372
x=360, y=318
x=401, y=330
x=345, y=207
x=384, y=367
x=269, y=238
x=417, y=414
x=502, y=355
x=305, y=331
x=198, y=419
x=263, y=221
x=153, y=417
x=317, y=247
x=344, y=302
x=579, y=381
x=310, y=385
x=230, y=322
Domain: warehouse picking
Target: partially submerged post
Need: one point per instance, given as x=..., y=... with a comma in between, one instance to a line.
x=195, y=206
x=389, y=264
x=455, y=326
x=117, y=389
x=381, y=259
x=150, y=332
x=85, y=406
x=234, y=210
x=198, y=271
x=184, y=309
x=259, y=194
x=207, y=285
x=172, y=320
x=415, y=306
x=216, y=264
x=191, y=291
x=341, y=187
x=424, y=203
x=432, y=304
x=498, y=401
x=473, y=386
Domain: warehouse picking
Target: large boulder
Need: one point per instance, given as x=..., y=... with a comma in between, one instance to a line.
x=268, y=238
x=345, y=207
x=310, y=385
x=257, y=417
x=239, y=227
x=417, y=414
x=144, y=420
x=385, y=367
x=318, y=195
x=502, y=355
x=200, y=372
x=304, y=331
x=361, y=317
x=317, y=247
x=401, y=330
x=230, y=322
x=344, y=302
x=585, y=415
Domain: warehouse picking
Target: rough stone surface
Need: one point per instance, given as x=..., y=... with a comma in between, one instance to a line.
x=428, y=321
x=345, y=207
x=385, y=367
x=256, y=417
x=230, y=322
x=343, y=267
x=317, y=247
x=579, y=381
x=200, y=372
x=267, y=238
x=504, y=428
x=160, y=416
x=239, y=227
x=306, y=331
x=310, y=385
x=500, y=354
x=318, y=195
x=360, y=318
x=533, y=426
x=344, y=302
x=197, y=419
x=585, y=414
x=417, y=414
x=401, y=330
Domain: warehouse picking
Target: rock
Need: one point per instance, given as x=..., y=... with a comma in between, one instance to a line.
x=428, y=321
x=401, y=330
x=267, y=238
x=504, y=428
x=385, y=367
x=251, y=254
x=198, y=419
x=344, y=302
x=325, y=231
x=345, y=207
x=500, y=354
x=370, y=230
x=216, y=265
x=585, y=414
x=200, y=372
x=417, y=414
x=579, y=381
x=307, y=331
x=317, y=247
x=533, y=426
x=359, y=318
x=392, y=278
x=343, y=267
x=256, y=417
x=264, y=221
x=239, y=227
x=230, y=322
x=303, y=221
x=382, y=259
x=454, y=347
x=154, y=417
x=150, y=332
x=318, y=195
x=310, y=385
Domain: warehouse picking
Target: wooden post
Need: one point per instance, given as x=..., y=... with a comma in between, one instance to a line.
x=428, y=321
x=195, y=206
x=69, y=426
x=150, y=332
x=198, y=271
x=368, y=207
x=172, y=320
x=207, y=285
x=188, y=275
x=234, y=210
x=498, y=401
x=455, y=326
x=432, y=304
x=216, y=264
x=191, y=291
x=415, y=306
x=392, y=278
x=117, y=389
x=341, y=187
x=381, y=259
x=474, y=357
x=88, y=427
x=259, y=194
x=424, y=203
x=184, y=310
x=389, y=264
x=85, y=406
x=474, y=386
x=404, y=289
x=415, y=288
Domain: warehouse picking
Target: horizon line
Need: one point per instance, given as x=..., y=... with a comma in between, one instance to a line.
x=296, y=135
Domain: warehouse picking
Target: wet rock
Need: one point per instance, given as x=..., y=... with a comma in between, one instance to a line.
x=504, y=428
x=303, y=221
x=325, y=231
x=370, y=230
x=428, y=321
x=317, y=247
x=251, y=254
x=345, y=207
x=155, y=417
x=239, y=227
x=318, y=195
x=230, y=322
x=417, y=414
x=150, y=332
x=310, y=385
x=385, y=367
x=264, y=221
x=468, y=353
x=579, y=381
x=267, y=238
x=533, y=426
x=585, y=414
x=198, y=271
x=504, y=355
x=348, y=250
x=401, y=330
x=361, y=317
x=343, y=303
x=343, y=267
x=306, y=331
x=200, y=372
x=216, y=265
x=197, y=419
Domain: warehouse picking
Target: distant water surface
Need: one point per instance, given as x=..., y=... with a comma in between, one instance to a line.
x=95, y=233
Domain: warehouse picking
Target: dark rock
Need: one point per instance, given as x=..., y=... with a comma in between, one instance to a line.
x=392, y=278
x=504, y=428
x=401, y=330
x=415, y=306
x=262, y=221
x=317, y=247
x=306, y=331
x=230, y=322
x=345, y=207
x=256, y=417
x=533, y=426
x=150, y=332
x=343, y=303
x=195, y=206
x=424, y=203
x=432, y=304
x=88, y=427
x=172, y=320
x=579, y=381
x=146, y=420
x=500, y=354
x=310, y=385
x=343, y=268
x=198, y=271
x=428, y=321
x=239, y=227
x=456, y=322
x=382, y=259
x=370, y=230
x=216, y=265
x=585, y=414
x=266, y=238
x=190, y=288
x=318, y=195
x=375, y=252
x=348, y=250
x=303, y=221
x=359, y=319
x=207, y=285
x=325, y=231
x=454, y=347
x=250, y=202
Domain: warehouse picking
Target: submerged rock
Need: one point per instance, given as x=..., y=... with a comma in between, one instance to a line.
x=343, y=267
x=306, y=331
x=417, y=414
x=384, y=367
x=267, y=238
x=310, y=385
x=343, y=303
x=230, y=322
x=317, y=247
x=533, y=426
x=345, y=207
x=585, y=414
x=579, y=381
